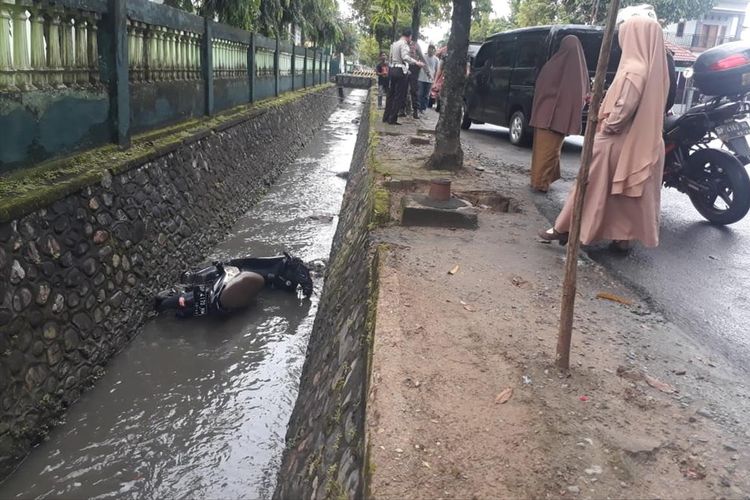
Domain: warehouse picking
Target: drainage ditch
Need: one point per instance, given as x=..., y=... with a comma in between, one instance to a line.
x=200, y=408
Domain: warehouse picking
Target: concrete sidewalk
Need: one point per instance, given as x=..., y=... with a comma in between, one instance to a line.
x=464, y=400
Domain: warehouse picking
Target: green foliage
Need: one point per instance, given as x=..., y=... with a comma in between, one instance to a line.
x=484, y=27
x=241, y=13
x=349, y=40
x=384, y=19
x=389, y=13
x=539, y=13
x=368, y=50
x=319, y=20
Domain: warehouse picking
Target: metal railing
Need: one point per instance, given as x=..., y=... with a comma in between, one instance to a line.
x=125, y=49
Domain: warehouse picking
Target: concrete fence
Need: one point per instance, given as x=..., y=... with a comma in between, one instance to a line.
x=75, y=74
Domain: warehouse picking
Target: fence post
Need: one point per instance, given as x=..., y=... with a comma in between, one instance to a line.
x=120, y=86
x=294, y=65
x=251, y=66
x=315, y=55
x=276, y=68
x=208, y=65
x=304, y=72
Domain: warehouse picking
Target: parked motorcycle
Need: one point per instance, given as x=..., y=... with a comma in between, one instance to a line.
x=706, y=148
x=715, y=179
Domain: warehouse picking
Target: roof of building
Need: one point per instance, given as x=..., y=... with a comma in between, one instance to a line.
x=681, y=54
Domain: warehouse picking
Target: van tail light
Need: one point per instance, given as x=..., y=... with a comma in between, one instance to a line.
x=730, y=62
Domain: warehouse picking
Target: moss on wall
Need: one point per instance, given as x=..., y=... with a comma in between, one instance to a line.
x=30, y=189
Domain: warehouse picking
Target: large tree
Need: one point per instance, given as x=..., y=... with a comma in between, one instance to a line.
x=669, y=11
x=385, y=19
x=448, y=154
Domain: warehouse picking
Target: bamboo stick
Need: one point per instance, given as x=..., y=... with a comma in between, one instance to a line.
x=562, y=356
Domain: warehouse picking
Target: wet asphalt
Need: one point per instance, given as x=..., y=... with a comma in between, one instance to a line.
x=697, y=276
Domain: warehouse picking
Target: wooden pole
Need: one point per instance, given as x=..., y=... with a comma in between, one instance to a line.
x=562, y=357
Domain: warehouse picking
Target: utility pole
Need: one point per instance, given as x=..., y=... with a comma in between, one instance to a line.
x=562, y=356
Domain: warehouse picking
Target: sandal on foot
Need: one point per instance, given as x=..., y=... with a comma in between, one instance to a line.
x=621, y=246
x=552, y=235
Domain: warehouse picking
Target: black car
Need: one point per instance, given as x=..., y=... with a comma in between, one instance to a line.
x=500, y=87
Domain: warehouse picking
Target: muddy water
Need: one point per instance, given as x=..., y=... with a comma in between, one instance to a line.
x=199, y=408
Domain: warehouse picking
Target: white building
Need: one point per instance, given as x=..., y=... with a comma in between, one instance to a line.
x=723, y=24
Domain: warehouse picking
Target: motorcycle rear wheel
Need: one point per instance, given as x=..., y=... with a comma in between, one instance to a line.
x=727, y=199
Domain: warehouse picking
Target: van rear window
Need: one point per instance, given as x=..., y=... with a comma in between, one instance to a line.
x=530, y=50
x=591, y=42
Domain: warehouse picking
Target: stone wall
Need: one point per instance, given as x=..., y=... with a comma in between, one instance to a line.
x=77, y=277
x=325, y=451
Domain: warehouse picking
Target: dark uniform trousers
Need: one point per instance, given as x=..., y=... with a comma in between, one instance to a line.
x=397, y=88
x=413, y=86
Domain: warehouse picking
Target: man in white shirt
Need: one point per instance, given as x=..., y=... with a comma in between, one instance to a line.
x=426, y=76
x=398, y=82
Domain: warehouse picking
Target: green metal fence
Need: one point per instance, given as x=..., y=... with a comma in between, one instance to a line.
x=79, y=73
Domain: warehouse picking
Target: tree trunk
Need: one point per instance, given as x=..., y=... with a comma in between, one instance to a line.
x=448, y=154
x=394, y=24
x=594, y=12
x=416, y=19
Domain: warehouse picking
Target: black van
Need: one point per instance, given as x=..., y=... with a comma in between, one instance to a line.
x=500, y=86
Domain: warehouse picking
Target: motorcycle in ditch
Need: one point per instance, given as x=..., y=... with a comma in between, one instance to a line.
x=200, y=292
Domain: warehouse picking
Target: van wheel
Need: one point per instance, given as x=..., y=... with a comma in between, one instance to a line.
x=465, y=119
x=519, y=129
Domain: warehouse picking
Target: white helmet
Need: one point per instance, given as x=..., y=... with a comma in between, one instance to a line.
x=643, y=10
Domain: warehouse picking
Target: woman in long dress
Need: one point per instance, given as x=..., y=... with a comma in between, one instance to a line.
x=559, y=96
x=623, y=197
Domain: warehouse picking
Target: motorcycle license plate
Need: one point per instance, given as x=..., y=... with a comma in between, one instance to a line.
x=201, y=299
x=732, y=130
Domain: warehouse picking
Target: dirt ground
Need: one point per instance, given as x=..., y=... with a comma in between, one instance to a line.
x=465, y=401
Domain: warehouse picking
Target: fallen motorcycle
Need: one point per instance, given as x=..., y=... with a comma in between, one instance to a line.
x=706, y=149
x=227, y=286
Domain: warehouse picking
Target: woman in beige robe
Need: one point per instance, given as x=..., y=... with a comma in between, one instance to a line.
x=559, y=95
x=623, y=196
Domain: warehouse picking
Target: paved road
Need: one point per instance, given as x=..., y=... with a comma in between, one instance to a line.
x=697, y=275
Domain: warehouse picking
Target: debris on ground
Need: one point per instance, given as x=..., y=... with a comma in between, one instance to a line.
x=614, y=298
x=636, y=375
x=504, y=396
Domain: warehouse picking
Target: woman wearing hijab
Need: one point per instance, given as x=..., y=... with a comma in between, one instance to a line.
x=623, y=197
x=559, y=96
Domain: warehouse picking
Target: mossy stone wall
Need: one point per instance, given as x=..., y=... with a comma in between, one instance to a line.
x=78, y=274
x=325, y=452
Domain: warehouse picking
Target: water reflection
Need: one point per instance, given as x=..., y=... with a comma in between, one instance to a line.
x=199, y=408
